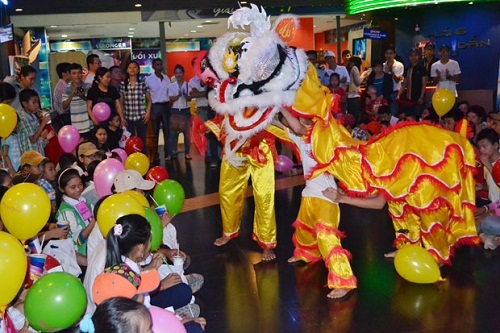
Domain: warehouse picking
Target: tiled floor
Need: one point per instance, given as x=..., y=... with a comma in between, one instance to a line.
x=242, y=295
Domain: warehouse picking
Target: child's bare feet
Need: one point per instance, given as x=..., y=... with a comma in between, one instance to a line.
x=339, y=293
x=390, y=254
x=221, y=241
x=268, y=255
x=293, y=260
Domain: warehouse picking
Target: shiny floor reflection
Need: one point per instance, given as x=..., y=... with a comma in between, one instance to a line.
x=241, y=294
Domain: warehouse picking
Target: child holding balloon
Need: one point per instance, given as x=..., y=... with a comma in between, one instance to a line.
x=75, y=209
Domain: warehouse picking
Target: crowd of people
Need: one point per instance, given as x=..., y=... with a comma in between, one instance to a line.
x=369, y=102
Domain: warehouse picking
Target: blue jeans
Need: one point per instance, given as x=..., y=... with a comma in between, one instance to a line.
x=491, y=225
x=138, y=126
x=174, y=135
x=176, y=296
x=393, y=105
x=161, y=116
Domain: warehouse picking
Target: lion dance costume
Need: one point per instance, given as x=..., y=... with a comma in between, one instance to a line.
x=253, y=74
x=425, y=173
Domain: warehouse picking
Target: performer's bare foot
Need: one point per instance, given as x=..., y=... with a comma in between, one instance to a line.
x=390, y=254
x=268, y=255
x=221, y=241
x=293, y=260
x=339, y=293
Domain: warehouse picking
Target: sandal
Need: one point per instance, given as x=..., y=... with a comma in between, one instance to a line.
x=195, y=281
x=188, y=311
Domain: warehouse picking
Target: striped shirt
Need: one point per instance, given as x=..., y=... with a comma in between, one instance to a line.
x=133, y=100
x=78, y=109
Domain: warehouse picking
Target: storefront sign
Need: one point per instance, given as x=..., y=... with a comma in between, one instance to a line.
x=183, y=46
x=374, y=33
x=70, y=46
x=110, y=43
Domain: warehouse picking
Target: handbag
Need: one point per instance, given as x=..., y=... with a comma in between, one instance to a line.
x=178, y=122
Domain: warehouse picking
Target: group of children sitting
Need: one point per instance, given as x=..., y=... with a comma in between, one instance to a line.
x=127, y=244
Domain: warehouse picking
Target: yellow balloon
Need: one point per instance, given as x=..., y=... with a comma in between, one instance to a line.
x=416, y=264
x=114, y=207
x=443, y=100
x=13, y=266
x=25, y=209
x=8, y=120
x=138, y=162
x=137, y=196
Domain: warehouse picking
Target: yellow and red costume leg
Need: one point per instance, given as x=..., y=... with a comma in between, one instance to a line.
x=317, y=237
x=232, y=190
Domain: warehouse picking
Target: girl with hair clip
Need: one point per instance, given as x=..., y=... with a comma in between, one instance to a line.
x=129, y=242
x=103, y=92
x=75, y=209
x=118, y=315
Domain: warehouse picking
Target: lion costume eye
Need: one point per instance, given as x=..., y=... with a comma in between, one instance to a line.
x=229, y=62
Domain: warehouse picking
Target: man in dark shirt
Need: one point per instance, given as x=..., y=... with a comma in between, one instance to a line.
x=411, y=95
x=429, y=57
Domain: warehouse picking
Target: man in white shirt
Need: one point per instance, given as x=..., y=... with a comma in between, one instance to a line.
x=158, y=88
x=396, y=70
x=334, y=68
x=197, y=89
x=62, y=70
x=446, y=72
x=93, y=64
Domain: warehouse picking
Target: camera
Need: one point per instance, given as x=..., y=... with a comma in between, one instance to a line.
x=80, y=90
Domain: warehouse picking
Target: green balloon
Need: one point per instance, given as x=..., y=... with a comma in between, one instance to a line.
x=156, y=228
x=55, y=302
x=171, y=194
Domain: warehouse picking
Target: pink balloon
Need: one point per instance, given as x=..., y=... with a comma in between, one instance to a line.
x=101, y=111
x=165, y=321
x=283, y=164
x=68, y=138
x=104, y=176
x=122, y=153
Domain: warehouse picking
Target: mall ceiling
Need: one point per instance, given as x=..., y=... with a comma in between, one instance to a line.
x=34, y=7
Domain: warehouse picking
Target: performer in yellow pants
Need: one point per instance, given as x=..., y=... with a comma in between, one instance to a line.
x=316, y=234
x=232, y=189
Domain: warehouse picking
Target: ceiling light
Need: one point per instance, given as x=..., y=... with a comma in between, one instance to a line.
x=130, y=36
x=131, y=28
x=199, y=26
x=53, y=26
x=208, y=21
x=19, y=9
x=243, y=2
x=193, y=31
x=138, y=5
x=64, y=36
x=186, y=35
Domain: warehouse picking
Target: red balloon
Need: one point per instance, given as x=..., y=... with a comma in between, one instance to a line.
x=157, y=174
x=496, y=173
x=134, y=145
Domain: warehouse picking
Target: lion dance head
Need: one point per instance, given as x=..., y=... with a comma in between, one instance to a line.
x=254, y=73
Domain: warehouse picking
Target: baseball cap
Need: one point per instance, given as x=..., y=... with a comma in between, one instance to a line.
x=329, y=54
x=373, y=127
x=87, y=149
x=32, y=157
x=131, y=179
x=122, y=281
